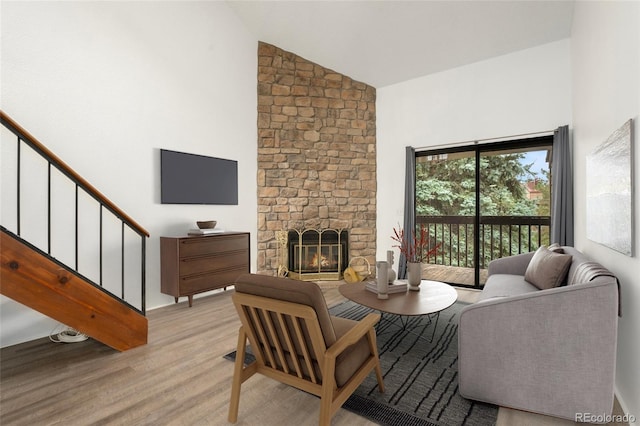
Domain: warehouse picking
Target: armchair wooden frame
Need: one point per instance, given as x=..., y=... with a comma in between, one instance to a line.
x=284, y=325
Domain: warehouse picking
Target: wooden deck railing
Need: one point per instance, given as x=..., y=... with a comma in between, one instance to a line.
x=500, y=236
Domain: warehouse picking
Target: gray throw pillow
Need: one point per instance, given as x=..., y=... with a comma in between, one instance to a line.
x=547, y=269
x=555, y=247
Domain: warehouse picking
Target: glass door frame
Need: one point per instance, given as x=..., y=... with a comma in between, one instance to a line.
x=477, y=150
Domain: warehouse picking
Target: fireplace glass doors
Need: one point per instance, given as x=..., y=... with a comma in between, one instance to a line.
x=317, y=254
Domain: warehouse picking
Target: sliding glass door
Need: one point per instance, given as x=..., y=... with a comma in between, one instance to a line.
x=481, y=203
x=446, y=198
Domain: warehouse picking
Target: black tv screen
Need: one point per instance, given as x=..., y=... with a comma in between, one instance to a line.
x=197, y=179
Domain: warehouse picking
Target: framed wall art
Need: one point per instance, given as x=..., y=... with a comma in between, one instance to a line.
x=609, y=192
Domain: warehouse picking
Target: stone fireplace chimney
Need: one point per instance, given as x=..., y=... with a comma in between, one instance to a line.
x=316, y=154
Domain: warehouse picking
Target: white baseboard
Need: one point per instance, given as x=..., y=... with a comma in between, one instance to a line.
x=625, y=408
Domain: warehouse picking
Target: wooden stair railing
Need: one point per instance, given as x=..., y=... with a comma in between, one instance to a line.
x=32, y=276
x=27, y=137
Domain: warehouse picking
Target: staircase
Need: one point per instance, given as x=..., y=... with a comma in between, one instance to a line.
x=32, y=273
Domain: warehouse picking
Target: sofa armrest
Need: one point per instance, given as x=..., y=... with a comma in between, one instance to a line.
x=512, y=265
x=551, y=351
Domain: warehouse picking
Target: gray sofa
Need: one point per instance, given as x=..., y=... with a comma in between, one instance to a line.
x=549, y=351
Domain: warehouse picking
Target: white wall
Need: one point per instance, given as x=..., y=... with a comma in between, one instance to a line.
x=523, y=92
x=105, y=85
x=605, y=57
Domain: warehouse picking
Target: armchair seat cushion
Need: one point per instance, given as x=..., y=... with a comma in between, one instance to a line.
x=349, y=361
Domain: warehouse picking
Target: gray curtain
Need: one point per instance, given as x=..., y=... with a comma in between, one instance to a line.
x=561, y=189
x=409, y=224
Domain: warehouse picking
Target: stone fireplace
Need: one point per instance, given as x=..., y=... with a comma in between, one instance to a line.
x=317, y=254
x=316, y=155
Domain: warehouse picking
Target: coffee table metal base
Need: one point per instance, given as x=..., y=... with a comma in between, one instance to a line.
x=404, y=321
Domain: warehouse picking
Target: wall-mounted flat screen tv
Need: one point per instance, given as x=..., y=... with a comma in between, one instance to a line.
x=197, y=179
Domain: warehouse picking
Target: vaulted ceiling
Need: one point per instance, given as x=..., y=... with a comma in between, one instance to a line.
x=390, y=41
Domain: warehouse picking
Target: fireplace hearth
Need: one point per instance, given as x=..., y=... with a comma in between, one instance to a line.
x=317, y=254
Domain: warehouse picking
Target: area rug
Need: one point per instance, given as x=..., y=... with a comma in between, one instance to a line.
x=420, y=376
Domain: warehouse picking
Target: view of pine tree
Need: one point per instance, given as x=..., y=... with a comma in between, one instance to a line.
x=446, y=187
x=509, y=187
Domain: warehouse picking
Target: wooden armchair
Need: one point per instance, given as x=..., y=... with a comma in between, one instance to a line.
x=297, y=342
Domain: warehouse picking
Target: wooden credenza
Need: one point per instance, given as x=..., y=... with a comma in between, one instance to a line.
x=195, y=264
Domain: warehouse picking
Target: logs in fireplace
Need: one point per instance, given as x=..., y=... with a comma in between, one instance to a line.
x=317, y=254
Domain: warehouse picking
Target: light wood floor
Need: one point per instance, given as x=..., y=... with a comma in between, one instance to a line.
x=179, y=378
x=452, y=274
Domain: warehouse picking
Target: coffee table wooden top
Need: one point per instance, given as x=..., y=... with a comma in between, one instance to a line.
x=434, y=296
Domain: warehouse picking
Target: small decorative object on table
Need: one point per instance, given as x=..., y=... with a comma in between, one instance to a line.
x=415, y=249
x=391, y=273
x=382, y=278
x=206, y=224
x=398, y=286
x=414, y=275
x=206, y=227
x=202, y=232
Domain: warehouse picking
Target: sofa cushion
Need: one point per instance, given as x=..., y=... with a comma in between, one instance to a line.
x=505, y=285
x=556, y=248
x=547, y=269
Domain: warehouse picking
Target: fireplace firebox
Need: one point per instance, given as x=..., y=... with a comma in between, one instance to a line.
x=318, y=254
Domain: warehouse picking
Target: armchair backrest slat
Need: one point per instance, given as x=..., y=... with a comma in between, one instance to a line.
x=284, y=336
x=274, y=340
x=289, y=343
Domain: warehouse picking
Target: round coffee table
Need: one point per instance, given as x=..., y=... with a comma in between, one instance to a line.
x=433, y=297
